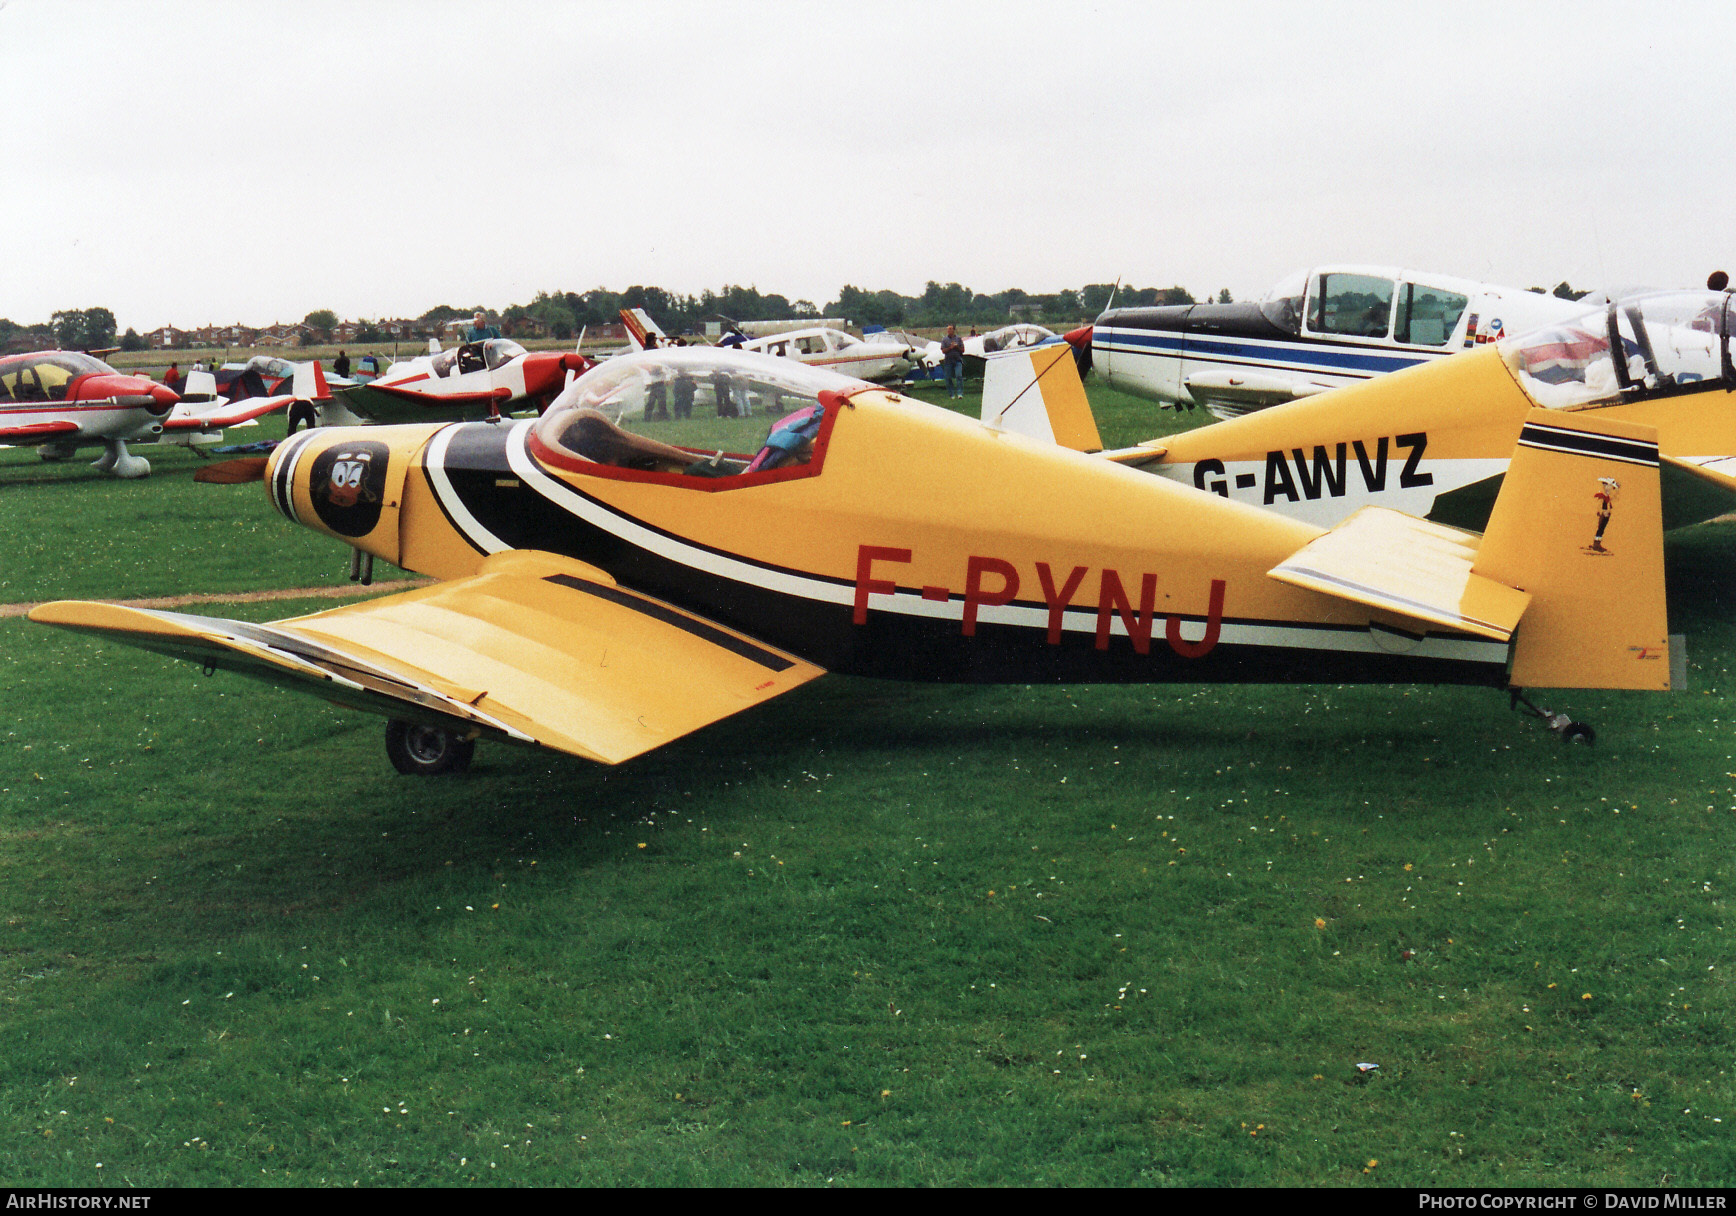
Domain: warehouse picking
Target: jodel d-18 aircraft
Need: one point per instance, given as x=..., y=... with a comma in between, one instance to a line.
x=59, y=401
x=476, y=380
x=1316, y=330
x=1434, y=441
x=612, y=581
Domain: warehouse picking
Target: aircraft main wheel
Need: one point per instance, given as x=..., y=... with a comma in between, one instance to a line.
x=1578, y=732
x=301, y=415
x=424, y=751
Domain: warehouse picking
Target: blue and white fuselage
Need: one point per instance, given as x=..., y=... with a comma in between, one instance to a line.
x=1316, y=330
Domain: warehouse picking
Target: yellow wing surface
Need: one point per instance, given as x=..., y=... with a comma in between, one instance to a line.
x=533, y=647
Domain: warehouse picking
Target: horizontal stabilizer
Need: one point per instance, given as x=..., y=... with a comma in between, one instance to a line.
x=229, y=414
x=533, y=647
x=1386, y=559
x=1149, y=452
x=1036, y=391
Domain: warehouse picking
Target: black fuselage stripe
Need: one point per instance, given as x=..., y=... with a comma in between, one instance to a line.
x=657, y=612
x=1580, y=443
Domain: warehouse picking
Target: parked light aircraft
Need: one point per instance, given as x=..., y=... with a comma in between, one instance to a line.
x=1317, y=329
x=60, y=401
x=1435, y=441
x=476, y=380
x=611, y=582
x=874, y=358
x=840, y=352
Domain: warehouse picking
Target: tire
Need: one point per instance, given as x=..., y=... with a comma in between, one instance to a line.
x=425, y=751
x=1579, y=732
x=301, y=415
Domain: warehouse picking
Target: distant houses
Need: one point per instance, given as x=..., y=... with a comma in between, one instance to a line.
x=282, y=334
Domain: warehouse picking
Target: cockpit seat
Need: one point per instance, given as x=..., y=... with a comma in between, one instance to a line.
x=592, y=435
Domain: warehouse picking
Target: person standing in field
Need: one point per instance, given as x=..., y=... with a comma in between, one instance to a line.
x=481, y=329
x=952, y=362
x=341, y=365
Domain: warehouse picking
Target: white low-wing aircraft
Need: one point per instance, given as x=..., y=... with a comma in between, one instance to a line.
x=818, y=346
x=1317, y=329
x=838, y=351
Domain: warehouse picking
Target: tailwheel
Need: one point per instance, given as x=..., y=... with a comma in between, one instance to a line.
x=1569, y=730
x=424, y=751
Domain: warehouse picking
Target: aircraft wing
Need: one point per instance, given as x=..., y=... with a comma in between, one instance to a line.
x=37, y=432
x=533, y=647
x=1697, y=489
x=1409, y=566
x=1247, y=390
x=498, y=396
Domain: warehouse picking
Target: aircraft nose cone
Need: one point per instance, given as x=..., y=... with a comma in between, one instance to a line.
x=163, y=399
x=1079, y=339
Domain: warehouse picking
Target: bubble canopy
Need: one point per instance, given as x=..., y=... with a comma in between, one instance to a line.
x=1670, y=343
x=695, y=411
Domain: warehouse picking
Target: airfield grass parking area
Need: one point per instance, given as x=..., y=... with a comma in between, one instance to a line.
x=869, y=933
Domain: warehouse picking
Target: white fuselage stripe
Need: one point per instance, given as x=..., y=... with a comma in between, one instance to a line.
x=1298, y=636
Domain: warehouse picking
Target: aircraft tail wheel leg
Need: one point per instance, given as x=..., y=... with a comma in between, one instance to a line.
x=1569, y=730
x=424, y=751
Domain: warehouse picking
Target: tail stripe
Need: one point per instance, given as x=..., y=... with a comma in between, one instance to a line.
x=1581, y=443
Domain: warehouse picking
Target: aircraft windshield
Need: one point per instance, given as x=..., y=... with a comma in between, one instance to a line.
x=1282, y=306
x=1011, y=337
x=500, y=350
x=1670, y=343
x=700, y=411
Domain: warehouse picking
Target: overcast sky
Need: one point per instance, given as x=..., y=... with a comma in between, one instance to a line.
x=185, y=163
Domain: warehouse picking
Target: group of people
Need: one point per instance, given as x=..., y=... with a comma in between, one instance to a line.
x=670, y=394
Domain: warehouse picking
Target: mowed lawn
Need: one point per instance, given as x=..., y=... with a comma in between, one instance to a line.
x=869, y=933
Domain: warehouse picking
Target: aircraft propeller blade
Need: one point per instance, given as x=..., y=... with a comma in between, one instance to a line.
x=233, y=472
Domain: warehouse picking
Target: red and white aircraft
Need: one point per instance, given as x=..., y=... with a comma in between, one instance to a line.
x=477, y=380
x=59, y=401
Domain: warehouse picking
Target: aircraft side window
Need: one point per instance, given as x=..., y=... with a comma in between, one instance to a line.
x=1428, y=316
x=1355, y=305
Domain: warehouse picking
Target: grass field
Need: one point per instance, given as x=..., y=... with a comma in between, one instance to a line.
x=870, y=933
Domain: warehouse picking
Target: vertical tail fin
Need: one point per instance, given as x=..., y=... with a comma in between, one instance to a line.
x=639, y=326
x=309, y=383
x=1579, y=525
x=1036, y=391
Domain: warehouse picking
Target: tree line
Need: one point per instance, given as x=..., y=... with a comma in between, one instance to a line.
x=564, y=313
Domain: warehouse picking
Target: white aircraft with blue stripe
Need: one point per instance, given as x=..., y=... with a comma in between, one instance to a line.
x=1316, y=330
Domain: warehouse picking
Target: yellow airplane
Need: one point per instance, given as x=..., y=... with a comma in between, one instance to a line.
x=1435, y=440
x=615, y=575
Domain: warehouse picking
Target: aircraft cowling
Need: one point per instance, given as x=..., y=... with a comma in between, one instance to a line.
x=136, y=391
x=347, y=482
x=545, y=373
